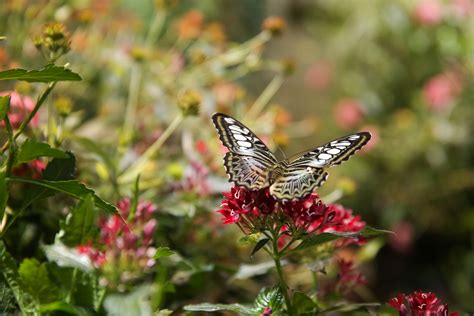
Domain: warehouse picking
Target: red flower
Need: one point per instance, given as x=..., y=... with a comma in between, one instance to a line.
x=419, y=304
x=428, y=12
x=33, y=168
x=20, y=107
x=310, y=214
x=97, y=257
x=267, y=311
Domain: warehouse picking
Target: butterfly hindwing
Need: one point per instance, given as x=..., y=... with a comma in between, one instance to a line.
x=332, y=153
x=248, y=160
x=296, y=183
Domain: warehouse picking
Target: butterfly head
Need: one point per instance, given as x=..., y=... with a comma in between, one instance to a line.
x=275, y=172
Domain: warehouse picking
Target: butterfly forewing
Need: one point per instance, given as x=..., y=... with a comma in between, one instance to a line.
x=249, y=160
x=332, y=153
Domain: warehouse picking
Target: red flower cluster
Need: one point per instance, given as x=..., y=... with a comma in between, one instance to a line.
x=244, y=206
x=419, y=304
x=20, y=108
x=348, y=277
x=33, y=169
x=127, y=247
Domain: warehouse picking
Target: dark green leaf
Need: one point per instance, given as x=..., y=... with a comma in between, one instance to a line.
x=10, y=274
x=34, y=280
x=163, y=252
x=57, y=169
x=4, y=106
x=7, y=299
x=260, y=244
x=47, y=74
x=272, y=298
x=3, y=193
x=303, y=304
x=208, y=307
x=318, y=239
x=80, y=223
x=61, y=169
x=30, y=150
x=72, y=188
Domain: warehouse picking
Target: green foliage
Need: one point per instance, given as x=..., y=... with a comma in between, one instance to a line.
x=3, y=193
x=4, y=106
x=269, y=298
x=303, y=304
x=50, y=73
x=208, y=307
x=79, y=225
x=31, y=150
x=163, y=252
x=35, y=282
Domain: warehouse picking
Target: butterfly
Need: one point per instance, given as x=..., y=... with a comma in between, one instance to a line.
x=249, y=162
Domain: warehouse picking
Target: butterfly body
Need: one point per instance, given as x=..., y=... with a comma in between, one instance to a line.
x=251, y=164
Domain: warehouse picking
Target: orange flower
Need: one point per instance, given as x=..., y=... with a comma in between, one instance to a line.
x=274, y=24
x=191, y=24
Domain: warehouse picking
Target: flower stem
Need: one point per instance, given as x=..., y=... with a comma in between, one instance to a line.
x=140, y=164
x=266, y=96
x=283, y=285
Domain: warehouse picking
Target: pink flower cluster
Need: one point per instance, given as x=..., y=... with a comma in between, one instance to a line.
x=419, y=304
x=432, y=12
x=441, y=90
x=20, y=107
x=126, y=247
x=245, y=207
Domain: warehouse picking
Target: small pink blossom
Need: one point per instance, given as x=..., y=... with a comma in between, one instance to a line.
x=428, y=12
x=20, y=107
x=441, y=90
x=348, y=113
x=402, y=239
x=319, y=76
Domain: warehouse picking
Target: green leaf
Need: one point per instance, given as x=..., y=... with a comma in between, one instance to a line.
x=72, y=188
x=303, y=303
x=272, y=298
x=10, y=274
x=31, y=150
x=34, y=280
x=208, y=307
x=62, y=307
x=4, y=106
x=134, y=303
x=80, y=223
x=260, y=244
x=3, y=193
x=318, y=239
x=163, y=252
x=48, y=74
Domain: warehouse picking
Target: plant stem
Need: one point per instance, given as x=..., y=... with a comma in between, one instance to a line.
x=132, y=104
x=137, y=167
x=283, y=285
x=266, y=96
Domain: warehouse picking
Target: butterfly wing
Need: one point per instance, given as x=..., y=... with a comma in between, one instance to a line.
x=305, y=173
x=248, y=160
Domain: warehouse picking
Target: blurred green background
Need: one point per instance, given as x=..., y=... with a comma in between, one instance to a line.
x=403, y=70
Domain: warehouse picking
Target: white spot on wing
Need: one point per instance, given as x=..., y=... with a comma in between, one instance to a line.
x=333, y=151
x=229, y=120
x=343, y=143
x=354, y=137
x=244, y=144
x=239, y=136
x=324, y=156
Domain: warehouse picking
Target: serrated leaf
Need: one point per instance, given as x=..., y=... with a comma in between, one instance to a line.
x=209, y=307
x=72, y=188
x=34, y=280
x=48, y=74
x=272, y=298
x=303, y=303
x=260, y=244
x=318, y=239
x=79, y=223
x=4, y=106
x=31, y=150
x=10, y=274
x=67, y=257
x=163, y=252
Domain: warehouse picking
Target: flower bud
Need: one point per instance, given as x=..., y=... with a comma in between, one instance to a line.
x=54, y=40
x=274, y=24
x=63, y=106
x=189, y=102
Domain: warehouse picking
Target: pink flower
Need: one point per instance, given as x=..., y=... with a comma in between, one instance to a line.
x=319, y=75
x=402, y=240
x=462, y=8
x=20, y=107
x=97, y=257
x=441, y=90
x=428, y=12
x=348, y=113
